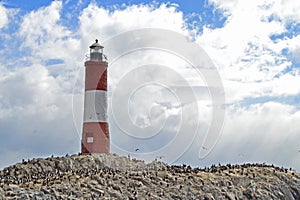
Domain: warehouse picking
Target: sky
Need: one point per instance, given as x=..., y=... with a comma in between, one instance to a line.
x=194, y=82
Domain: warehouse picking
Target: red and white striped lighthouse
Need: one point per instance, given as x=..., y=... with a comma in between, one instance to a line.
x=95, y=133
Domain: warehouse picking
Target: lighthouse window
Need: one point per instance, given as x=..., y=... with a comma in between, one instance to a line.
x=90, y=140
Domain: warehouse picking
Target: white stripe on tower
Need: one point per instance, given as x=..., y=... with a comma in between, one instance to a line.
x=95, y=106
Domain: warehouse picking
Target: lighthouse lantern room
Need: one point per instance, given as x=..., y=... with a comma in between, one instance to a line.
x=96, y=51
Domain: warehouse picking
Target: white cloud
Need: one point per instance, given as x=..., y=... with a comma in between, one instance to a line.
x=99, y=22
x=283, y=86
x=29, y=86
x=293, y=45
x=3, y=16
x=35, y=115
x=285, y=10
x=245, y=26
x=38, y=24
x=46, y=38
x=250, y=62
x=264, y=133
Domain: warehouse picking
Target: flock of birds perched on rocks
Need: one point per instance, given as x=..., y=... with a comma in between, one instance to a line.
x=114, y=177
x=12, y=175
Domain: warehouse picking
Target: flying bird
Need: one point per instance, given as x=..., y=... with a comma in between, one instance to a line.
x=105, y=57
x=204, y=148
x=160, y=157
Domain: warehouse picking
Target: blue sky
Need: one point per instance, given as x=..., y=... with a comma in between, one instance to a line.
x=253, y=45
x=201, y=11
x=185, y=6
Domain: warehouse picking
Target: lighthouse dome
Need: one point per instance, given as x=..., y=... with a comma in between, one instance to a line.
x=96, y=51
x=96, y=45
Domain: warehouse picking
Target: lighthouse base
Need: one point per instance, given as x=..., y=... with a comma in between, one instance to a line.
x=95, y=138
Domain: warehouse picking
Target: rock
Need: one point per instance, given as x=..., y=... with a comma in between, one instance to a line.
x=108, y=176
x=22, y=196
x=249, y=193
x=39, y=196
x=209, y=197
x=295, y=192
x=2, y=194
x=230, y=196
x=287, y=193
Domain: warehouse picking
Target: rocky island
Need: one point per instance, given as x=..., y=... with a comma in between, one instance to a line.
x=108, y=176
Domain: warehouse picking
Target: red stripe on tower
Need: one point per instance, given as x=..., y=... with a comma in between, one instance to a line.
x=95, y=133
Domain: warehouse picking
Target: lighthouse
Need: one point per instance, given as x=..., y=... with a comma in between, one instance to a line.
x=95, y=132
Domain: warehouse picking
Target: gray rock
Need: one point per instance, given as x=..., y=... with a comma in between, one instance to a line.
x=287, y=193
x=230, y=196
x=108, y=176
